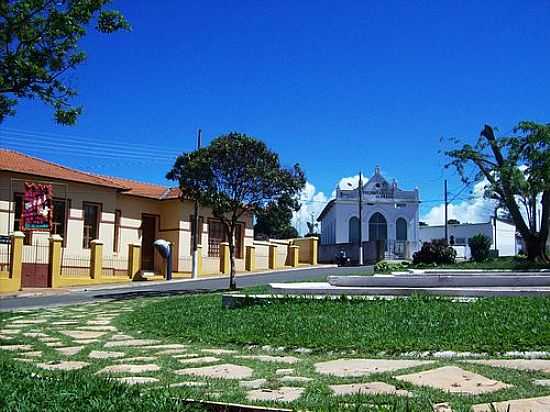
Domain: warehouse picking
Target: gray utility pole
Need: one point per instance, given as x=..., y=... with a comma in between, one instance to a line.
x=196, y=234
x=360, y=219
x=446, y=214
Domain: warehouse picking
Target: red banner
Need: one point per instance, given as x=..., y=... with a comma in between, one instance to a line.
x=37, y=207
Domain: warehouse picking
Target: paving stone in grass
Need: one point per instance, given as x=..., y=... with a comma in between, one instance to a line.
x=35, y=335
x=56, y=344
x=270, y=358
x=282, y=372
x=137, y=380
x=130, y=368
x=82, y=334
x=441, y=407
x=194, y=361
x=371, y=388
x=26, y=360
x=98, y=354
x=283, y=394
x=541, y=365
x=295, y=379
x=170, y=351
x=131, y=343
x=454, y=379
x=542, y=382
x=98, y=322
x=70, y=350
x=5, y=337
x=138, y=359
x=28, y=322
x=121, y=337
x=98, y=328
x=65, y=322
x=186, y=355
x=62, y=365
x=168, y=346
x=187, y=384
x=14, y=348
x=362, y=367
x=219, y=351
x=224, y=371
x=85, y=341
x=541, y=404
x=35, y=354
x=254, y=384
x=10, y=331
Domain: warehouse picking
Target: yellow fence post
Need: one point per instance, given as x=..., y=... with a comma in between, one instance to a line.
x=134, y=260
x=199, y=260
x=16, y=260
x=314, y=249
x=96, y=260
x=272, y=256
x=55, y=260
x=294, y=253
x=250, y=262
x=225, y=264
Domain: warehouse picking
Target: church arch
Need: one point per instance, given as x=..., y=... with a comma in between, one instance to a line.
x=353, y=230
x=378, y=227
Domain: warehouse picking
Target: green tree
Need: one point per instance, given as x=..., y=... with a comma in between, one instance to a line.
x=39, y=45
x=480, y=246
x=517, y=169
x=274, y=220
x=235, y=175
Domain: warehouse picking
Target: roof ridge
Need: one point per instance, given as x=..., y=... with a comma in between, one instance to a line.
x=57, y=165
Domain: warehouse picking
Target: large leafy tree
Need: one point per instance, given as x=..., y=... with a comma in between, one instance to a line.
x=39, y=46
x=517, y=169
x=274, y=221
x=235, y=175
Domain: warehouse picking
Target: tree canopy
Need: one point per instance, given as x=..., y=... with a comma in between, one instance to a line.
x=236, y=175
x=517, y=169
x=39, y=46
x=275, y=220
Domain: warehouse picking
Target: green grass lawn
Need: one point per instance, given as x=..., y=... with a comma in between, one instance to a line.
x=25, y=389
x=418, y=324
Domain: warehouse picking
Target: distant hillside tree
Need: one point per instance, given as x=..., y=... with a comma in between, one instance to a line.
x=517, y=168
x=39, y=45
x=235, y=175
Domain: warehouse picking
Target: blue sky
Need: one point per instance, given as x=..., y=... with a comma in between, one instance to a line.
x=335, y=86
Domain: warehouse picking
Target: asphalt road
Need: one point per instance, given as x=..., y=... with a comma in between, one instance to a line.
x=77, y=296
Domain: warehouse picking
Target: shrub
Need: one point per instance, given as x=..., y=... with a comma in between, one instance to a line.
x=437, y=251
x=386, y=267
x=480, y=246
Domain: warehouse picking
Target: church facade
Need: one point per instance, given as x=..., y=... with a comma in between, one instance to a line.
x=390, y=220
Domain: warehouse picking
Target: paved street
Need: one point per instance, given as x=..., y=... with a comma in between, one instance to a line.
x=82, y=295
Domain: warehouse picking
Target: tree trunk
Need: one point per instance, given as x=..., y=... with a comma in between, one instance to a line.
x=232, y=282
x=536, y=250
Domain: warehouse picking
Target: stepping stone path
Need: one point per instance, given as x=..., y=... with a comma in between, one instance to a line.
x=542, y=365
x=224, y=371
x=282, y=372
x=139, y=359
x=442, y=407
x=455, y=380
x=97, y=354
x=269, y=358
x=131, y=343
x=63, y=365
x=362, y=367
x=137, y=380
x=283, y=394
x=192, y=361
x=295, y=379
x=542, y=382
x=219, y=351
x=81, y=334
x=128, y=368
x=541, y=404
x=255, y=384
x=372, y=388
x=70, y=350
x=15, y=348
x=188, y=384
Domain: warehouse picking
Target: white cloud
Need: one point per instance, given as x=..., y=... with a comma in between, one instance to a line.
x=313, y=203
x=477, y=209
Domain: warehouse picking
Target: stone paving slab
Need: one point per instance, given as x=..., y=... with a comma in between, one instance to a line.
x=137, y=380
x=16, y=348
x=63, y=365
x=295, y=379
x=194, y=361
x=218, y=351
x=171, y=352
x=69, y=350
x=98, y=354
x=282, y=394
x=187, y=384
x=98, y=328
x=130, y=343
x=282, y=372
x=541, y=404
x=130, y=368
x=542, y=382
x=455, y=380
x=85, y=341
x=254, y=384
x=371, y=388
x=121, y=337
x=270, y=358
x=138, y=359
x=82, y=334
x=362, y=367
x=223, y=371
x=541, y=365
x=34, y=354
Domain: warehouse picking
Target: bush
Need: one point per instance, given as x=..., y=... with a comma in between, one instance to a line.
x=437, y=251
x=480, y=246
x=387, y=267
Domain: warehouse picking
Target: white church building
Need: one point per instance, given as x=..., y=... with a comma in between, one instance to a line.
x=389, y=214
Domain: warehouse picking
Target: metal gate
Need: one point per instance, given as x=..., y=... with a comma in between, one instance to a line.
x=35, y=268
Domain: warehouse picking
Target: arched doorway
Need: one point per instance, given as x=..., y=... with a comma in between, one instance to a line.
x=401, y=229
x=378, y=227
x=353, y=230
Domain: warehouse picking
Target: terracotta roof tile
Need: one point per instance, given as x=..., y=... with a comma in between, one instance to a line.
x=13, y=161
